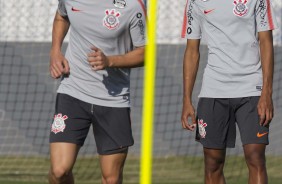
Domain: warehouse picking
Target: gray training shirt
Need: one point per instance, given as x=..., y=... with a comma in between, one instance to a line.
x=230, y=28
x=115, y=27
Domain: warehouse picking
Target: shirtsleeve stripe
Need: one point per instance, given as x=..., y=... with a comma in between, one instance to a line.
x=184, y=25
x=269, y=15
x=143, y=7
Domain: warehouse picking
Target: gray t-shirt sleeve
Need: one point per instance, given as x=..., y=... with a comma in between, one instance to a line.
x=138, y=26
x=191, y=28
x=265, y=18
x=62, y=8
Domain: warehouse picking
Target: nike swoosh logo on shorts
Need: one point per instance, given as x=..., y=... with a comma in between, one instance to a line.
x=75, y=10
x=259, y=135
x=208, y=11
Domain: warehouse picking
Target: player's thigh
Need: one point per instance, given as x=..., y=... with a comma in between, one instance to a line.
x=112, y=129
x=214, y=158
x=63, y=155
x=72, y=120
x=248, y=122
x=112, y=165
x=254, y=153
x=216, y=125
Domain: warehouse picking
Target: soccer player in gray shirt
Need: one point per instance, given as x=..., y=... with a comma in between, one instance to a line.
x=237, y=81
x=107, y=38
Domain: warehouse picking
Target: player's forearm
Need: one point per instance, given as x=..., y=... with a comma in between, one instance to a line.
x=267, y=61
x=60, y=29
x=132, y=59
x=190, y=69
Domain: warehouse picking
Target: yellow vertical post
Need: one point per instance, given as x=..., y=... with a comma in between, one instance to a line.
x=149, y=94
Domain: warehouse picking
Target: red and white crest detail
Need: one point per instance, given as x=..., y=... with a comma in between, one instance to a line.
x=202, y=126
x=240, y=7
x=59, y=123
x=111, y=20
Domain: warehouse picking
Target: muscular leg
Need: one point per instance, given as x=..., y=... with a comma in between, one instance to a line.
x=63, y=156
x=214, y=163
x=255, y=159
x=112, y=168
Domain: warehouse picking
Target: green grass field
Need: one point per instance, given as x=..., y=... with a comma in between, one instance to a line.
x=170, y=170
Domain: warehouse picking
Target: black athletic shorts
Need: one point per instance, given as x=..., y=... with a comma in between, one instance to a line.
x=216, y=118
x=111, y=125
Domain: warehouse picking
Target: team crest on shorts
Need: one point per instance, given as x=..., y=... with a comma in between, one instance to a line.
x=111, y=20
x=240, y=8
x=202, y=126
x=58, y=124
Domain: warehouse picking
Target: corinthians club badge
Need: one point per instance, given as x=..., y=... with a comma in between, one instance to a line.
x=111, y=20
x=202, y=126
x=120, y=3
x=240, y=7
x=59, y=123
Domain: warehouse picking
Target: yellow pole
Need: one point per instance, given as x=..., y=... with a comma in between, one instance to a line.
x=149, y=94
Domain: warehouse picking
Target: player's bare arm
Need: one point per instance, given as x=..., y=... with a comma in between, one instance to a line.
x=265, y=105
x=99, y=61
x=58, y=63
x=190, y=69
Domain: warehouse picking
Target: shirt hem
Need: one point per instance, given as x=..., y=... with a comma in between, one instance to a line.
x=103, y=103
x=230, y=96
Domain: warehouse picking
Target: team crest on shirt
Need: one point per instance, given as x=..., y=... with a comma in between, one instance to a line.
x=111, y=20
x=240, y=7
x=202, y=126
x=120, y=3
x=58, y=124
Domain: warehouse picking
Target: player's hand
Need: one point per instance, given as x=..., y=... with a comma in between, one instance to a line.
x=188, y=113
x=97, y=59
x=265, y=109
x=58, y=64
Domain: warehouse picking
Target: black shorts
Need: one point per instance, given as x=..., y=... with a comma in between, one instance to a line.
x=216, y=118
x=111, y=125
